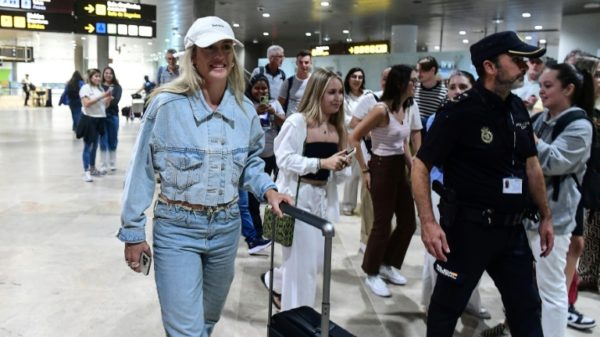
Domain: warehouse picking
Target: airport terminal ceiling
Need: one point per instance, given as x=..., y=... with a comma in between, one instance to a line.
x=440, y=23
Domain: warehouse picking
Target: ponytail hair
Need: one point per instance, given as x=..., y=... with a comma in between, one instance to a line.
x=583, y=93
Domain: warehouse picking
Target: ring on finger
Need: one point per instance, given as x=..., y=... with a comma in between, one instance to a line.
x=134, y=264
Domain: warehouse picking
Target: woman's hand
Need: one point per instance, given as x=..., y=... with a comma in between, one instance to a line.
x=274, y=198
x=366, y=176
x=262, y=108
x=336, y=162
x=133, y=252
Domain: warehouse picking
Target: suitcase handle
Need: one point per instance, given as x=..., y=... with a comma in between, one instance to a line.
x=328, y=232
x=319, y=223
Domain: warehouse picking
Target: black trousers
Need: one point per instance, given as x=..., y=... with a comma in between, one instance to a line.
x=254, y=204
x=505, y=254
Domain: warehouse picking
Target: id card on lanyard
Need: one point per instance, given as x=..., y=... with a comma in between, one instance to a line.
x=512, y=185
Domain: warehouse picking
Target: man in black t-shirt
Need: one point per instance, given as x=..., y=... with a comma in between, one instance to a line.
x=484, y=142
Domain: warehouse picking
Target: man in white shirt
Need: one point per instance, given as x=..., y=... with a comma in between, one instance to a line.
x=530, y=91
x=292, y=89
x=272, y=70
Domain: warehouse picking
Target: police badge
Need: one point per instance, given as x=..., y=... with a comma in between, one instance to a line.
x=486, y=135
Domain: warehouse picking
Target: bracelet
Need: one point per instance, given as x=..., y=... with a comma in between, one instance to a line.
x=366, y=170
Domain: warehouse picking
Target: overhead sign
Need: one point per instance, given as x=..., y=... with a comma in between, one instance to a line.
x=47, y=22
x=116, y=9
x=115, y=18
x=382, y=47
x=360, y=48
x=50, y=6
x=143, y=30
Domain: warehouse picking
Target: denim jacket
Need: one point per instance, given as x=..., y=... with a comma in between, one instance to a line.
x=202, y=156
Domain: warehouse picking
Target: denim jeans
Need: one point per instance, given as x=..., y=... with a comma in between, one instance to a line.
x=248, y=230
x=109, y=140
x=194, y=257
x=75, y=107
x=89, y=154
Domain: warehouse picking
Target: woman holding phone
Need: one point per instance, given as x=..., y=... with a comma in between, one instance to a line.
x=203, y=138
x=272, y=117
x=91, y=123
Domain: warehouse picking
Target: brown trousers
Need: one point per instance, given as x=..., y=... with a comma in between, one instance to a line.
x=391, y=194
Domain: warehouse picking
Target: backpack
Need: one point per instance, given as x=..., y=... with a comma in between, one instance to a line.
x=287, y=97
x=590, y=186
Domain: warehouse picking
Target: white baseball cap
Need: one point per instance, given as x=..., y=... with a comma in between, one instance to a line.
x=207, y=31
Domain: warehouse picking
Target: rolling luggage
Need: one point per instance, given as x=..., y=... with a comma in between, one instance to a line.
x=137, y=106
x=306, y=321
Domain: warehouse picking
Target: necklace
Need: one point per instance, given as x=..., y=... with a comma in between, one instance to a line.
x=324, y=129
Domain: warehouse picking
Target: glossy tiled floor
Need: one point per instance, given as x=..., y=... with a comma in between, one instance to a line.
x=62, y=271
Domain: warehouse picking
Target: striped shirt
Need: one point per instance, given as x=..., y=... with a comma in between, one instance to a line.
x=430, y=100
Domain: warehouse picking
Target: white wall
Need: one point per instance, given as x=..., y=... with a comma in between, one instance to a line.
x=579, y=31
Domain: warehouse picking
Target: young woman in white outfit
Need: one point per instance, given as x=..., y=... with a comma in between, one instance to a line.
x=311, y=145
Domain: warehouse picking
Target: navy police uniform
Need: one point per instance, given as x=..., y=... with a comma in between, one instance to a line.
x=482, y=142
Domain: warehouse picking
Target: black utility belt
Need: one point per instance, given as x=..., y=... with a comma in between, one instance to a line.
x=490, y=218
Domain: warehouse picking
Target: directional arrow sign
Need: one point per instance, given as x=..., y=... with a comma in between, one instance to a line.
x=89, y=28
x=89, y=8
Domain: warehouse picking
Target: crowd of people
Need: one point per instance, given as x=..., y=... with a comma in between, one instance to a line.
x=493, y=166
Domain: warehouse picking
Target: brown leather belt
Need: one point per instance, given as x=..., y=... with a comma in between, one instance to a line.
x=314, y=182
x=195, y=207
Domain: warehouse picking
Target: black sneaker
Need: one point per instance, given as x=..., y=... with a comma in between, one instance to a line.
x=499, y=330
x=257, y=245
x=276, y=296
x=577, y=320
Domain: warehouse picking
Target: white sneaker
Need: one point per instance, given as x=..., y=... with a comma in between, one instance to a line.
x=87, y=176
x=392, y=275
x=377, y=286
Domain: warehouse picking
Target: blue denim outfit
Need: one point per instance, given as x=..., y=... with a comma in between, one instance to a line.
x=109, y=140
x=89, y=154
x=75, y=107
x=202, y=158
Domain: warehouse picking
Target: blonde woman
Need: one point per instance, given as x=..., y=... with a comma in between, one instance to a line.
x=310, y=150
x=203, y=138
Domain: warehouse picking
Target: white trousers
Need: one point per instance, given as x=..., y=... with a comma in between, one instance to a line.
x=551, y=281
x=351, y=188
x=296, y=279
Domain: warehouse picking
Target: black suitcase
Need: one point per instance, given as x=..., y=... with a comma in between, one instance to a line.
x=306, y=321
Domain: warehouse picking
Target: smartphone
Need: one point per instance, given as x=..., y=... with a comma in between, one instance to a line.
x=264, y=99
x=350, y=151
x=145, y=262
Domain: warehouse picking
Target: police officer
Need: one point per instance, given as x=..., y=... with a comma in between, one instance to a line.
x=484, y=142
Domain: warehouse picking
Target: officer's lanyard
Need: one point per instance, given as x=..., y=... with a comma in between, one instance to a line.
x=514, y=143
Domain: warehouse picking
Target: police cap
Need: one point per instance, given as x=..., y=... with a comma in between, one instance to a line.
x=500, y=43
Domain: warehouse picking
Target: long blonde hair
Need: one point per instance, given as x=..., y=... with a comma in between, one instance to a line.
x=189, y=82
x=310, y=105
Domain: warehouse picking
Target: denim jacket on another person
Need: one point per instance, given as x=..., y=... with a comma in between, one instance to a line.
x=202, y=156
x=563, y=156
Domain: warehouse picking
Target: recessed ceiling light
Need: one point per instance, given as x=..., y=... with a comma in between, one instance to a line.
x=591, y=5
x=349, y=39
x=538, y=27
x=498, y=20
x=462, y=32
x=83, y=38
x=308, y=34
x=345, y=31
x=543, y=41
x=266, y=33
x=166, y=40
x=149, y=43
x=236, y=25
x=436, y=47
x=528, y=37
x=255, y=41
x=526, y=15
x=266, y=15
x=326, y=38
x=465, y=41
x=324, y=3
